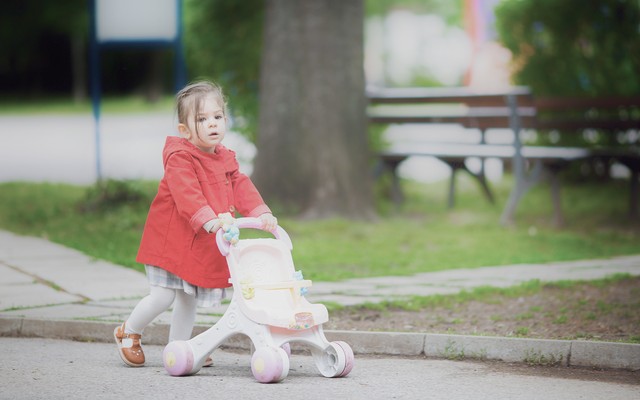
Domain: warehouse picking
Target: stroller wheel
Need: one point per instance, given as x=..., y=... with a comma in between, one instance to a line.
x=349, y=358
x=285, y=356
x=336, y=360
x=178, y=358
x=287, y=349
x=269, y=364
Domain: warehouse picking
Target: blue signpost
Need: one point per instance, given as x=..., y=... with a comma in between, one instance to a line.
x=144, y=24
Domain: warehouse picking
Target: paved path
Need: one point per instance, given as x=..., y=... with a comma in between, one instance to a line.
x=57, y=369
x=48, y=290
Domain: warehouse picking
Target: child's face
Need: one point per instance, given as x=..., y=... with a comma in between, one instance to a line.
x=211, y=125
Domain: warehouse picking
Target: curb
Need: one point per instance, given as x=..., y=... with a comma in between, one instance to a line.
x=574, y=353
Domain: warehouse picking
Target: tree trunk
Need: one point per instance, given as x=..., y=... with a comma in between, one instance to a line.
x=153, y=86
x=78, y=68
x=313, y=155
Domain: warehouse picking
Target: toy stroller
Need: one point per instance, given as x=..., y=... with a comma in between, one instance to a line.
x=269, y=307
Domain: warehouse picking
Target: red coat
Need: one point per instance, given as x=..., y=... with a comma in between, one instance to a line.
x=195, y=188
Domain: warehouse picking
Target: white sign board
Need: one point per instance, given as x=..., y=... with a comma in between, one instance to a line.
x=136, y=20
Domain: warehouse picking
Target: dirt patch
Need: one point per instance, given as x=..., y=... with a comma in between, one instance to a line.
x=608, y=311
x=574, y=373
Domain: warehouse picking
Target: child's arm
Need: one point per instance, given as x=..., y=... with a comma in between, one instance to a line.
x=247, y=199
x=186, y=192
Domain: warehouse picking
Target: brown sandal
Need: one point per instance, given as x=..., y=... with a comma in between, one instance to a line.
x=129, y=347
x=208, y=362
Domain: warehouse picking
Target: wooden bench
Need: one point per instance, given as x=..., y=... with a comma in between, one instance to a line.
x=606, y=118
x=515, y=109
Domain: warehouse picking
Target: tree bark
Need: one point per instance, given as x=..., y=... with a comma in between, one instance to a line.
x=153, y=86
x=79, y=69
x=313, y=154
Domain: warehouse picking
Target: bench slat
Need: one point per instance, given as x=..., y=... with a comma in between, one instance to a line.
x=585, y=103
x=446, y=95
x=464, y=151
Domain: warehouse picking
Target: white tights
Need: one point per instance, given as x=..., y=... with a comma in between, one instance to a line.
x=158, y=301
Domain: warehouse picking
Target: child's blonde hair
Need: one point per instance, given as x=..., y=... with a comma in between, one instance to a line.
x=189, y=100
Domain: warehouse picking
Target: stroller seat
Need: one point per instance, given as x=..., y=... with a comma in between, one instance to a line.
x=263, y=271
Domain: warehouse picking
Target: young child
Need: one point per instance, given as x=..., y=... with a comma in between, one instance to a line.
x=201, y=187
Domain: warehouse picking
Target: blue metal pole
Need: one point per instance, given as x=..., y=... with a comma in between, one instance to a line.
x=180, y=64
x=94, y=73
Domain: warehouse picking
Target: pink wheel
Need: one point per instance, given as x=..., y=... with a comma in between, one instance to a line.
x=269, y=364
x=178, y=358
x=287, y=349
x=349, y=358
x=285, y=357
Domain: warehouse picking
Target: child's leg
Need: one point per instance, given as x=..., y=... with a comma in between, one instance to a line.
x=183, y=317
x=128, y=335
x=158, y=301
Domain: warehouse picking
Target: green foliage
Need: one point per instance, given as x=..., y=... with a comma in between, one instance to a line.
x=64, y=105
x=453, y=352
x=571, y=47
x=68, y=17
x=377, y=141
x=36, y=39
x=31, y=206
x=28, y=20
x=223, y=42
x=538, y=358
x=451, y=11
x=112, y=194
x=576, y=49
x=423, y=78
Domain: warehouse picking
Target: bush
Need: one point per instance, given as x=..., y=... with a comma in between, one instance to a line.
x=112, y=194
x=570, y=48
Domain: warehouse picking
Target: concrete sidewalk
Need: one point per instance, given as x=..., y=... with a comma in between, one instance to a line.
x=48, y=290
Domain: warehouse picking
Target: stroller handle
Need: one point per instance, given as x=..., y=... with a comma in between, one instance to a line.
x=252, y=223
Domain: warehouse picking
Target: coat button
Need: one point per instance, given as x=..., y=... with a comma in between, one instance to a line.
x=232, y=209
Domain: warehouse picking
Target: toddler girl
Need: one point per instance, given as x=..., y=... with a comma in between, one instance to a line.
x=201, y=187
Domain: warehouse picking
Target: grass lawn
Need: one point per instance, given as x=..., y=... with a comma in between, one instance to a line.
x=64, y=105
x=421, y=236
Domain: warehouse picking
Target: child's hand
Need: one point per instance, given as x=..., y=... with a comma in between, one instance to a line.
x=269, y=222
x=224, y=218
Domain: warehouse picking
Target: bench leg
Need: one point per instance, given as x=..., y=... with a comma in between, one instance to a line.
x=633, y=194
x=554, y=181
x=396, y=191
x=457, y=165
x=522, y=185
x=634, y=188
x=514, y=198
x=391, y=166
x=482, y=179
x=452, y=185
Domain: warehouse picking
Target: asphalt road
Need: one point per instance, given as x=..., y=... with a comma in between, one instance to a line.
x=62, y=148
x=56, y=369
